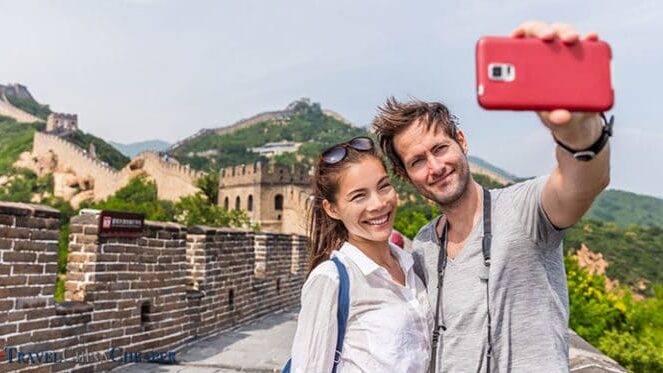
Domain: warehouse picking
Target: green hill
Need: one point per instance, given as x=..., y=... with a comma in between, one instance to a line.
x=105, y=152
x=30, y=106
x=15, y=138
x=306, y=124
x=626, y=208
x=634, y=253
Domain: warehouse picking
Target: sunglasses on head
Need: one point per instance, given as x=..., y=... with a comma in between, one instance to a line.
x=338, y=152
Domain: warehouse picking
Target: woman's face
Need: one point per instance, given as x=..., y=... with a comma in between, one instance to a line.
x=365, y=202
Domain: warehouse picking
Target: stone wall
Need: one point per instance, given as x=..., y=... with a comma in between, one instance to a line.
x=173, y=180
x=107, y=179
x=9, y=110
x=128, y=295
x=264, y=184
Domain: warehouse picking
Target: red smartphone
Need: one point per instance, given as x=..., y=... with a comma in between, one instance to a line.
x=533, y=74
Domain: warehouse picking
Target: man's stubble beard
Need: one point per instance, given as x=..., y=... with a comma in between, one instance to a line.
x=452, y=200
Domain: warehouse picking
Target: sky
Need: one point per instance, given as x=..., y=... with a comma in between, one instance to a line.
x=138, y=70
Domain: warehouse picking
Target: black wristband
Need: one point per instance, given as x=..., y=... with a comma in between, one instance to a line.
x=590, y=153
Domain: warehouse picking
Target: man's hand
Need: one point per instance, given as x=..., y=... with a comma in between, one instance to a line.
x=575, y=130
x=573, y=185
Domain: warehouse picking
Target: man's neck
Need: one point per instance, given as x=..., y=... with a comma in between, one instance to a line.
x=463, y=214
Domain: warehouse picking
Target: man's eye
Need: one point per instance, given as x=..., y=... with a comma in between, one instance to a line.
x=439, y=149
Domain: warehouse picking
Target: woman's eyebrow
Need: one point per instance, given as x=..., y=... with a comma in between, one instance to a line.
x=356, y=191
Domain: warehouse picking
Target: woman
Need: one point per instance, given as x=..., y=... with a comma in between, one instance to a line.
x=351, y=218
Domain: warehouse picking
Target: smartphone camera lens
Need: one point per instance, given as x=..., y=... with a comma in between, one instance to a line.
x=503, y=72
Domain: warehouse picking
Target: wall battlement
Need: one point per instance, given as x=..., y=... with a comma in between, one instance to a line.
x=173, y=180
x=176, y=168
x=264, y=173
x=9, y=110
x=151, y=293
x=71, y=153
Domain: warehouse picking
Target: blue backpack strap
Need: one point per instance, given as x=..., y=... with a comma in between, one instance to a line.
x=343, y=308
x=341, y=314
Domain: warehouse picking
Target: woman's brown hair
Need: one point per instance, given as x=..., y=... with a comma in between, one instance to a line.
x=324, y=233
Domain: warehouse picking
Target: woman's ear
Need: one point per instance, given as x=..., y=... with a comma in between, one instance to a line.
x=330, y=210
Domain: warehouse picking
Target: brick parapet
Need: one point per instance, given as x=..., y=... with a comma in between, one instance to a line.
x=28, y=266
x=149, y=293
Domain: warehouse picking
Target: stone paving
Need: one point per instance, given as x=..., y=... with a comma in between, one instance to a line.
x=261, y=346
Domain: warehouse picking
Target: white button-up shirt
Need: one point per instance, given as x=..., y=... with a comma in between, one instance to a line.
x=389, y=325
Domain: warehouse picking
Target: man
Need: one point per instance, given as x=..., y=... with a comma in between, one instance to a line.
x=503, y=302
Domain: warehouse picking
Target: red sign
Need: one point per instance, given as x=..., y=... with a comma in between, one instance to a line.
x=120, y=224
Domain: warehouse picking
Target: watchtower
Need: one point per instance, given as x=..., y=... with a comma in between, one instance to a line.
x=273, y=195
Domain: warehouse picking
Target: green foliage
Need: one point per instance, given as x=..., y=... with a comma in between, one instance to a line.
x=196, y=210
x=588, y=300
x=209, y=184
x=628, y=330
x=63, y=248
x=636, y=353
x=308, y=125
x=30, y=106
x=24, y=184
x=634, y=253
x=413, y=215
x=105, y=152
x=625, y=208
x=15, y=138
x=58, y=296
x=138, y=196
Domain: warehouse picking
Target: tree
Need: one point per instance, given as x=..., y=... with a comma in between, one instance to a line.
x=209, y=184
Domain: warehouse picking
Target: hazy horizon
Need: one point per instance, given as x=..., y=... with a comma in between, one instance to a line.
x=137, y=70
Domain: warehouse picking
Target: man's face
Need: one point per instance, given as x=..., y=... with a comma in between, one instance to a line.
x=434, y=162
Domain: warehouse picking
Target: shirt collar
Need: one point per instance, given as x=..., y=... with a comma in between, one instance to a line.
x=367, y=265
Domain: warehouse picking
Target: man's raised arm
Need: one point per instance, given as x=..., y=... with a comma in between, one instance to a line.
x=573, y=184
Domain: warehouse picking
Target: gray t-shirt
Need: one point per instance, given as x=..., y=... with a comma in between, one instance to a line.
x=527, y=288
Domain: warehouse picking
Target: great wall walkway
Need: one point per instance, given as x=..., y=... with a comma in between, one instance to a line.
x=260, y=346
x=263, y=346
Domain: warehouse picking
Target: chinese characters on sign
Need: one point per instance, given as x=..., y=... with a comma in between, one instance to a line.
x=120, y=224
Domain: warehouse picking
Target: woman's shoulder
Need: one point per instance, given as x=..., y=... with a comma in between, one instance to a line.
x=323, y=272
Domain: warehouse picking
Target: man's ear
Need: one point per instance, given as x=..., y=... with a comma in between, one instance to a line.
x=330, y=210
x=460, y=139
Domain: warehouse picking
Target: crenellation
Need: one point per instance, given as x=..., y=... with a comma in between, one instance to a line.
x=156, y=291
x=173, y=180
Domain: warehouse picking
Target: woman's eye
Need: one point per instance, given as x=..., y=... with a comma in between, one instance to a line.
x=357, y=197
x=385, y=186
